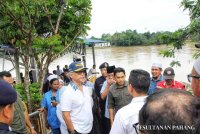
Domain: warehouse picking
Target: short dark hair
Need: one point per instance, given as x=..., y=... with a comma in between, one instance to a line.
x=5, y=74
x=119, y=70
x=170, y=107
x=52, y=80
x=140, y=80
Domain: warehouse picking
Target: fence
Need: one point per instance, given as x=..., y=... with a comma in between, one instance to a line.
x=38, y=120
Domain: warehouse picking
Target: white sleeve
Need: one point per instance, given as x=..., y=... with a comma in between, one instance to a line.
x=66, y=101
x=117, y=127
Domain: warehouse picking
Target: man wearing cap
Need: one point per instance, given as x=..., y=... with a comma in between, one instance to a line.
x=194, y=78
x=99, y=81
x=118, y=95
x=97, y=86
x=156, y=71
x=21, y=118
x=169, y=81
x=8, y=96
x=76, y=102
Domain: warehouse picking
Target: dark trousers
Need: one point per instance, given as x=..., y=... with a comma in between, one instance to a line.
x=108, y=127
x=56, y=131
x=105, y=125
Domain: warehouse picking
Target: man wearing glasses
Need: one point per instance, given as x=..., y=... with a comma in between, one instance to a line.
x=194, y=78
x=76, y=102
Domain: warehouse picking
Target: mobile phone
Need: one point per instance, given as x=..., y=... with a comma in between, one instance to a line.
x=53, y=98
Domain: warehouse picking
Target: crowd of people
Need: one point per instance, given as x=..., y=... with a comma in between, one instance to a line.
x=150, y=104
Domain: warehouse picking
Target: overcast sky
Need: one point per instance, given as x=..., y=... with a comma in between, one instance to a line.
x=110, y=16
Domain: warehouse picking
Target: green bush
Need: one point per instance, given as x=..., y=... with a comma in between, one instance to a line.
x=35, y=95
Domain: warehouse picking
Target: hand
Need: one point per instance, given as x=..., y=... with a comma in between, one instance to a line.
x=33, y=131
x=110, y=81
x=41, y=110
x=47, y=125
x=54, y=103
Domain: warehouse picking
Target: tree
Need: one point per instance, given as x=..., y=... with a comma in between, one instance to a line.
x=178, y=38
x=42, y=29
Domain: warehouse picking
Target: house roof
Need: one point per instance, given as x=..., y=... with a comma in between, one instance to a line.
x=91, y=41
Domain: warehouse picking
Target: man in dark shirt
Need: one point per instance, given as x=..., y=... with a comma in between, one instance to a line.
x=98, y=84
x=118, y=95
x=7, y=98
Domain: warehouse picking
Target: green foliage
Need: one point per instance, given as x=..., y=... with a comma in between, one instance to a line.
x=167, y=53
x=35, y=95
x=21, y=91
x=28, y=20
x=132, y=38
x=42, y=29
x=175, y=63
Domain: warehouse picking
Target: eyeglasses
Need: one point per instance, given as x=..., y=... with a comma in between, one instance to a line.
x=189, y=76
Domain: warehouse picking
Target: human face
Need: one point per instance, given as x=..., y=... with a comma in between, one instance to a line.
x=169, y=82
x=78, y=77
x=195, y=83
x=7, y=114
x=8, y=79
x=156, y=72
x=120, y=78
x=55, y=85
x=104, y=72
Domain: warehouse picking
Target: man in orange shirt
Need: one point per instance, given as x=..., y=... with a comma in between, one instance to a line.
x=169, y=81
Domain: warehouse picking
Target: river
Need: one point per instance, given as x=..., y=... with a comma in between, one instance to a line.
x=137, y=57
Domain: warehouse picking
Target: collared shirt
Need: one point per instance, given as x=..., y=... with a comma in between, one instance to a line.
x=19, y=125
x=4, y=129
x=175, y=85
x=127, y=116
x=153, y=84
x=118, y=96
x=63, y=126
x=106, y=106
x=98, y=84
x=89, y=84
x=79, y=104
x=51, y=111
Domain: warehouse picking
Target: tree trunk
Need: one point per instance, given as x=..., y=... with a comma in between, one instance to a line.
x=16, y=60
x=41, y=74
x=27, y=82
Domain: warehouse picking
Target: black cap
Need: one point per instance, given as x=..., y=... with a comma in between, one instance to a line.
x=103, y=65
x=110, y=69
x=169, y=73
x=8, y=95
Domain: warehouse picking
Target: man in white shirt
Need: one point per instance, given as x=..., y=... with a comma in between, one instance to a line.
x=76, y=102
x=127, y=116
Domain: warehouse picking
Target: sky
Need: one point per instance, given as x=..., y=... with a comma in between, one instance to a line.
x=110, y=16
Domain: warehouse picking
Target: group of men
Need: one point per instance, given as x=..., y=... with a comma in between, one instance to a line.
x=124, y=106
